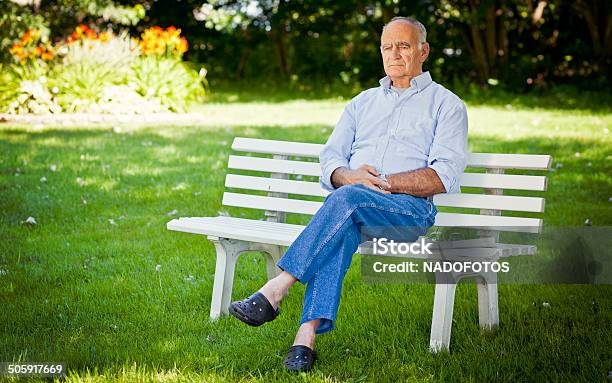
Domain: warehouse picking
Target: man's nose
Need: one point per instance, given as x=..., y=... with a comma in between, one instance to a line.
x=395, y=51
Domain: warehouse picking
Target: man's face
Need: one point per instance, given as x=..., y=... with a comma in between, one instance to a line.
x=402, y=56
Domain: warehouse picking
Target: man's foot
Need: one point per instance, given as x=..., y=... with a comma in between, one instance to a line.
x=277, y=288
x=254, y=311
x=299, y=358
x=306, y=334
x=301, y=355
x=262, y=306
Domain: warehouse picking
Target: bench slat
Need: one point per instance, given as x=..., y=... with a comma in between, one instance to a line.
x=248, y=231
x=270, y=203
x=476, y=201
x=274, y=166
x=504, y=181
x=491, y=222
x=491, y=202
x=442, y=219
x=500, y=181
x=513, y=250
x=288, y=148
x=509, y=161
x=476, y=160
x=275, y=185
x=257, y=225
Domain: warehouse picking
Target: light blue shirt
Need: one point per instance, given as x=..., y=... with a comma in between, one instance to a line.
x=425, y=126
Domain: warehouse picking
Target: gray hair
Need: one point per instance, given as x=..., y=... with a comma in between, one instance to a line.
x=414, y=22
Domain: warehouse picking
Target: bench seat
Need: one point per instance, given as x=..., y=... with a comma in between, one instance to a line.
x=283, y=234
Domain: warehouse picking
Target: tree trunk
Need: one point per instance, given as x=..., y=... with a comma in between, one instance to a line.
x=491, y=40
x=589, y=12
x=281, y=49
x=244, y=58
x=598, y=18
x=479, y=56
x=503, y=43
x=280, y=23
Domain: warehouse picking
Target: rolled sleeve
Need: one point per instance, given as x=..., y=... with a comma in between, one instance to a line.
x=449, y=151
x=337, y=151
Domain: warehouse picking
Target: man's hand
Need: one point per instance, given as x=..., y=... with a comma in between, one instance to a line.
x=365, y=175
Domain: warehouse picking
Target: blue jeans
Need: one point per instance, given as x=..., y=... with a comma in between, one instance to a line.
x=322, y=253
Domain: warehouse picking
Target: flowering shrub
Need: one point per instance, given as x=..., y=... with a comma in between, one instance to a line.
x=91, y=62
x=89, y=69
x=31, y=46
x=31, y=56
x=112, y=50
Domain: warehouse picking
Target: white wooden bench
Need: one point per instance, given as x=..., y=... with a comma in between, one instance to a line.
x=281, y=165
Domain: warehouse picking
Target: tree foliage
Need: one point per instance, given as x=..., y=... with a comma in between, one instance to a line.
x=516, y=44
x=519, y=44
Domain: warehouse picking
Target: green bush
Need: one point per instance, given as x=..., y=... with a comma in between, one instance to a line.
x=34, y=96
x=173, y=82
x=26, y=89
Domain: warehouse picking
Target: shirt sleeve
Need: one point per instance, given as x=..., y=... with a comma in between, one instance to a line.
x=449, y=151
x=337, y=151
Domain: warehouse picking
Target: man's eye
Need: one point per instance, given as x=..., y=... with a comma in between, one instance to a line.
x=404, y=46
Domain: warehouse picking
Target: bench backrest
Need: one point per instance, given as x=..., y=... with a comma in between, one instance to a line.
x=285, y=194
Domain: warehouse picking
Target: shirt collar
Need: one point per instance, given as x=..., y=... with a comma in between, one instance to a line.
x=419, y=82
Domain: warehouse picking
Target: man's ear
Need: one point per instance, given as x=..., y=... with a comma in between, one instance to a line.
x=424, y=52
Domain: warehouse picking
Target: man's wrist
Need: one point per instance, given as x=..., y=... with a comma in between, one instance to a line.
x=337, y=176
x=384, y=178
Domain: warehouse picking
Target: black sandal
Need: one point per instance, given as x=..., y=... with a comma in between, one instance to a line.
x=254, y=311
x=300, y=358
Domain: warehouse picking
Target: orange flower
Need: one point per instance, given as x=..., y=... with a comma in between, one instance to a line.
x=163, y=42
x=47, y=56
x=27, y=37
x=82, y=29
x=16, y=49
x=82, y=32
x=30, y=48
x=183, y=46
x=31, y=35
x=105, y=36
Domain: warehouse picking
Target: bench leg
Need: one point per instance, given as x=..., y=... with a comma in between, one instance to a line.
x=442, y=318
x=227, y=255
x=488, y=313
x=273, y=254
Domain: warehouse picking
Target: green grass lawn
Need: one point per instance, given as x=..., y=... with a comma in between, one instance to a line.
x=101, y=285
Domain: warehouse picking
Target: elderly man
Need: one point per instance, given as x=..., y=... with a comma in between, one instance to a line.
x=394, y=147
